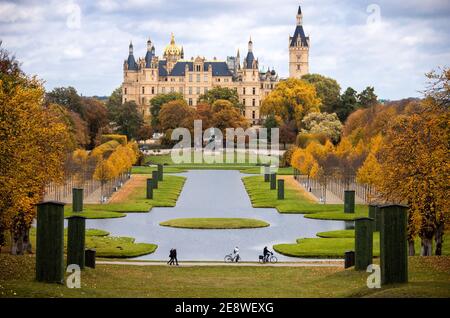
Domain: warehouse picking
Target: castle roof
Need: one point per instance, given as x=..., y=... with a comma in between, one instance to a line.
x=148, y=58
x=132, y=65
x=219, y=68
x=249, y=60
x=299, y=34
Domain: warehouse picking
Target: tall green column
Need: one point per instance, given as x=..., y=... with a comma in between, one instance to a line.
x=273, y=181
x=160, y=172
x=149, y=188
x=280, y=189
x=76, y=240
x=349, y=201
x=77, y=199
x=374, y=213
x=155, y=179
x=50, y=242
x=363, y=243
x=393, y=244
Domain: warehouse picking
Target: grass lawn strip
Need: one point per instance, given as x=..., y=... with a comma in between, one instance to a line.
x=215, y=223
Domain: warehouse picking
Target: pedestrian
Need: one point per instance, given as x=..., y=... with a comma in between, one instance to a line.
x=170, y=262
x=175, y=256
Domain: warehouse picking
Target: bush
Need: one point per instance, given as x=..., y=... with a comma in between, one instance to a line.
x=304, y=139
x=287, y=156
x=122, y=139
x=105, y=149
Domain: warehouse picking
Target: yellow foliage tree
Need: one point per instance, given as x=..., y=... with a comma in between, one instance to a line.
x=292, y=99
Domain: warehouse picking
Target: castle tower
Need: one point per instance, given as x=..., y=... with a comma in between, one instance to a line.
x=299, y=50
x=172, y=53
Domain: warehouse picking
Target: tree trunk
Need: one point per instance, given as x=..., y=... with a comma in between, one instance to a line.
x=427, y=244
x=411, y=248
x=20, y=242
x=439, y=238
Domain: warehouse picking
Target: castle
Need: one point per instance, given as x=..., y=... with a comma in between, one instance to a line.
x=150, y=75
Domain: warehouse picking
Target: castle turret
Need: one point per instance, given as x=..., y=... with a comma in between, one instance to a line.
x=150, y=54
x=299, y=49
x=250, y=58
x=131, y=62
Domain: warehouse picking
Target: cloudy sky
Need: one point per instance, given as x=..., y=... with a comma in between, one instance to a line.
x=386, y=44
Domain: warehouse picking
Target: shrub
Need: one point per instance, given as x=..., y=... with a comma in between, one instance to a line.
x=122, y=139
x=304, y=139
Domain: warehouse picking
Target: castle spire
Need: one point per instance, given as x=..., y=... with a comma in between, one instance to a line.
x=130, y=48
x=250, y=45
x=149, y=44
x=299, y=16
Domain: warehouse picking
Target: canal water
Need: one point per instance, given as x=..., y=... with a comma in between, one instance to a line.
x=214, y=193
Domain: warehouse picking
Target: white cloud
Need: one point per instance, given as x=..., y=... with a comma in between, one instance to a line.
x=391, y=55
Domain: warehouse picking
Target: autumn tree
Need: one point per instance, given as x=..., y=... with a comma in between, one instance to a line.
x=226, y=115
x=176, y=114
x=292, y=99
x=156, y=104
x=34, y=143
x=323, y=123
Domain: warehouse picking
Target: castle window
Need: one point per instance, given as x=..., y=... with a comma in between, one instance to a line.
x=153, y=90
x=143, y=90
x=190, y=90
x=125, y=91
x=190, y=102
x=198, y=77
x=206, y=90
x=243, y=113
x=243, y=102
x=197, y=68
x=205, y=78
x=190, y=77
x=254, y=90
x=253, y=114
x=143, y=100
x=298, y=67
x=243, y=91
x=125, y=100
x=262, y=85
x=198, y=90
x=253, y=102
x=218, y=79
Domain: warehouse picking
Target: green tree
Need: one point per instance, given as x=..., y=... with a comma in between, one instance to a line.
x=67, y=97
x=114, y=102
x=223, y=93
x=128, y=119
x=157, y=102
x=328, y=90
x=367, y=98
x=96, y=117
x=348, y=103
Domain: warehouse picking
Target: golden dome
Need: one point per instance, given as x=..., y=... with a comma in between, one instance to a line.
x=172, y=48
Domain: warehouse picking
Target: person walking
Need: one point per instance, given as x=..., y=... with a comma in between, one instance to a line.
x=170, y=262
x=175, y=256
x=236, y=254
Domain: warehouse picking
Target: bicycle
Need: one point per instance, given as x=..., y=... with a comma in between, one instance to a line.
x=269, y=259
x=232, y=259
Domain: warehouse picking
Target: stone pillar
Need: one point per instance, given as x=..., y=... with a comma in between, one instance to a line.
x=77, y=199
x=363, y=243
x=374, y=213
x=75, y=240
x=349, y=201
x=50, y=242
x=149, y=188
x=160, y=172
x=280, y=189
x=273, y=181
x=155, y=179
x=393, y=244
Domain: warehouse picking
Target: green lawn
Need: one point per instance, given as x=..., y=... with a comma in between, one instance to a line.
x=215, y=223
x=334, y=244
x=165, y=196
x=108, y=246
x=295, y=201
x=428, y=277
x=250, y=165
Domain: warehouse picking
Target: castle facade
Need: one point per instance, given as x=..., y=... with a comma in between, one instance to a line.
x=152, y=75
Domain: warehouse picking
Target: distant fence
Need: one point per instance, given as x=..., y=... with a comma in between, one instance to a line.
x=319, y=186
x=63, y=191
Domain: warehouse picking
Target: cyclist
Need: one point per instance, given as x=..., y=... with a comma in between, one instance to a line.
x=236, y=254
x=266, y=254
